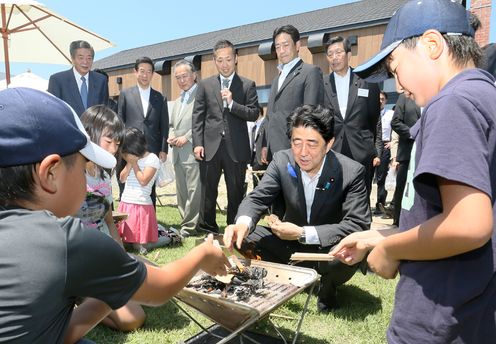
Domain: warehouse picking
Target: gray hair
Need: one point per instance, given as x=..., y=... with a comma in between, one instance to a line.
x=184, y=62
x=80, y=45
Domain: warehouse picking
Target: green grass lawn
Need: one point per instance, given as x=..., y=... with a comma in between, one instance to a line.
x=367, y=303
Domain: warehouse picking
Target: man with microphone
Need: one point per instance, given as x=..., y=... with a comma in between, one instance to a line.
x=223, y=105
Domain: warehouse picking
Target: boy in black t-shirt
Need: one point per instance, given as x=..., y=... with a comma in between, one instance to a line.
x=47, y=259
x=445, y=248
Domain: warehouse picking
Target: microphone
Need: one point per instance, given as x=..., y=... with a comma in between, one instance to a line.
x=225, y=85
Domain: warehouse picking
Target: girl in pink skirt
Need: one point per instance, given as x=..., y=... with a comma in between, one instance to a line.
x=139, y=175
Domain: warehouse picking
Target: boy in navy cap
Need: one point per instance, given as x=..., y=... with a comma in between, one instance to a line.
x=445, y=248
x=47, y=258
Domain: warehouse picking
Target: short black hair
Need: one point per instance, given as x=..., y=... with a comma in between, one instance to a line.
x=134, y=142
x=80, y=45
x=288, y=29
x=384, y=94
x=17, y=183
x=144, y=59
x=224, y=43
x=339, y=39
x=316, y=117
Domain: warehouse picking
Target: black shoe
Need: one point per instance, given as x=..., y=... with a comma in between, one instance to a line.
x=377, y=211
x=326, y=306
x=388, y=212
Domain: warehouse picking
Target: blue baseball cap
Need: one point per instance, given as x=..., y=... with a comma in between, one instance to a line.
x=412, y=20
x=35, y=124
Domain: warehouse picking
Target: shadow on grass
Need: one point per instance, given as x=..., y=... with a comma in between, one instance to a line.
x=265, y=327
x=356, y=303
x=166, y=318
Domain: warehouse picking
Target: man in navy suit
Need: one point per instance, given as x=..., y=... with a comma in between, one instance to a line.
x=325, y=200
x=79, y=86
x=144, y=108
x=356, y=107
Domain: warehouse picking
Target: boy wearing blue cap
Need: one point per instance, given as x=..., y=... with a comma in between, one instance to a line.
x=47, y=259
x=445, y=248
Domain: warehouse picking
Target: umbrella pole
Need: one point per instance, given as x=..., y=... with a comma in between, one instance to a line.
x=5, y=38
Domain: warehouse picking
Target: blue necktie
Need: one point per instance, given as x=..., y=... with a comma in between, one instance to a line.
x=84, y=92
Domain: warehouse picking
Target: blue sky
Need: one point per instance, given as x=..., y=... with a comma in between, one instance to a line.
x=130, y=24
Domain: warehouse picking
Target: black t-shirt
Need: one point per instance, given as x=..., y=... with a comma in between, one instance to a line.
x=45, y=263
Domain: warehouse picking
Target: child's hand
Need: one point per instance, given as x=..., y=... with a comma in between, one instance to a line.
x=380, y=263
x=130, y=158
x=215, y=262
x=351, y=249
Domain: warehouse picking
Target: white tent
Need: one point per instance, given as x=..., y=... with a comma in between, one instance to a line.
x=26, y=79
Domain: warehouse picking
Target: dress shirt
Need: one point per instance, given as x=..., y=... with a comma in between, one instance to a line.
x=309, y=187
x=285, y=69
x=230, y=78
x=78, y=78
x=254, y=126
x=185, y=96
x=145, y=98
x=342, y=90
x=386, y=117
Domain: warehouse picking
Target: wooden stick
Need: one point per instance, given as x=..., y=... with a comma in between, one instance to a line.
x=316, y=257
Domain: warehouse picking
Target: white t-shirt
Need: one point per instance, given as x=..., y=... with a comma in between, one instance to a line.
x=134, y=193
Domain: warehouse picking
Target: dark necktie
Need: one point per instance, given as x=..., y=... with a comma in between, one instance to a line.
x=84, y=92
x=253, y=137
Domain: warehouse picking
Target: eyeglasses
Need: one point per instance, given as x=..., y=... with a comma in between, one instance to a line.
x=335, y=53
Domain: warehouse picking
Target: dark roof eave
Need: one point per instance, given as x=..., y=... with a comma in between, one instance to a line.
x=353, y=26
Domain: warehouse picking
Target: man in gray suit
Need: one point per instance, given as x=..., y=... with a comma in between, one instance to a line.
x=186, y=168
x=79, y=86
x=297, y=84
x=223, y=105
x=325, y=200
x=357, y=109
x=144, y=108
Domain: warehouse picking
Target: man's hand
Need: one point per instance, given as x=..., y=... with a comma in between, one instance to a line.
x=199, y=152
x=181, y=141
x=387, y=145
x=235, y=234
x=171, y=141
x=227, y=95
x=380, y=263
x=162, y=156
x=286, y=230
x=263, y=156
x=376, y=162
x=215, y=261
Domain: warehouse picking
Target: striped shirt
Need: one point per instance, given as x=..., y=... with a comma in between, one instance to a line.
x=134, y=193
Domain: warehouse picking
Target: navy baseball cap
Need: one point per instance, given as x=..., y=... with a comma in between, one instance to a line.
x=411, y=20
x=35, y=124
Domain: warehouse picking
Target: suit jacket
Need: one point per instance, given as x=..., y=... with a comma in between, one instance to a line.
x=155, y=124
x=211, y=121
x=359, y=125
x=302, y=86
x=63, y=85
x=338, y=209
x=180, y=125
x=406, y=114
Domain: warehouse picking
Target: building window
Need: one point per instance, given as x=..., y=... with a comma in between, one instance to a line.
x=263, y=93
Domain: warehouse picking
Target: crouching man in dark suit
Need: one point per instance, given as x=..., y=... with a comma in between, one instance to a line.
x=325, y=197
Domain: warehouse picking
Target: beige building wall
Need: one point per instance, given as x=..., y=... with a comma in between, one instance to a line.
x=250, y=65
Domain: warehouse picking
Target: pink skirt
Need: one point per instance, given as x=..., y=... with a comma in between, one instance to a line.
x=141, y=225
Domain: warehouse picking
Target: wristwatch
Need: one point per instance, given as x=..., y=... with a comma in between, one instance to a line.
x=302, y=239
